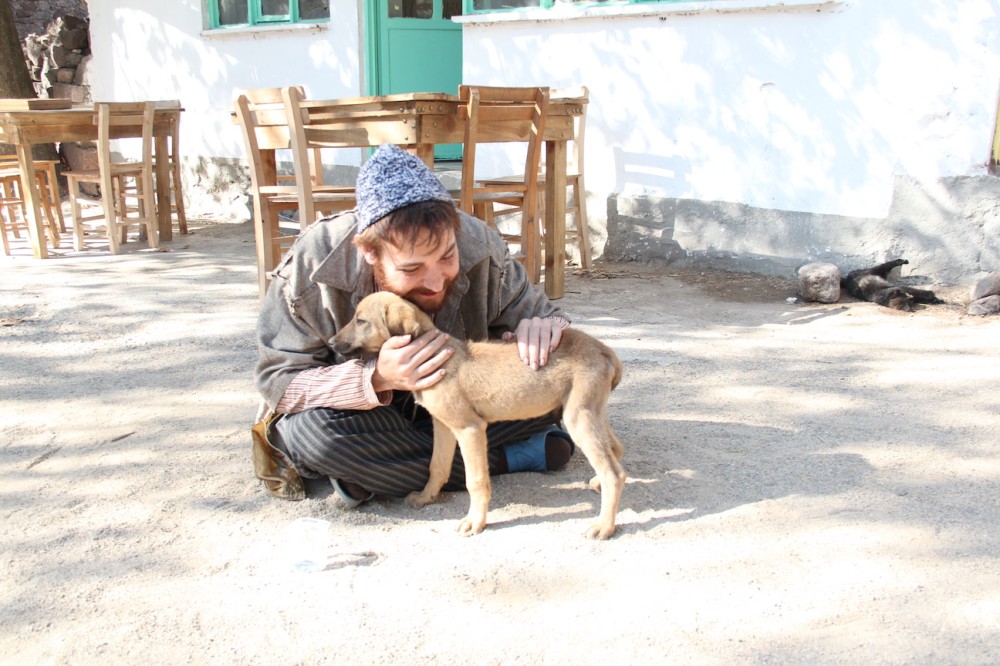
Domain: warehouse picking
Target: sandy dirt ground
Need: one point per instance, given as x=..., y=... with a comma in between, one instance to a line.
x=809, y=484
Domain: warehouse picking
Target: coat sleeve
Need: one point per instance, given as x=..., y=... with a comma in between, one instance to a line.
x=286, y=344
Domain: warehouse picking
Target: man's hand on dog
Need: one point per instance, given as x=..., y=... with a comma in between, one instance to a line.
x=411, y=365
x=536, y=339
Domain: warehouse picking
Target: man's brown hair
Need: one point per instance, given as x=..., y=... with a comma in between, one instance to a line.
x=403, y=227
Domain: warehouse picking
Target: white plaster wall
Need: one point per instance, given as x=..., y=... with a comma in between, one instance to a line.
x=158, y=50
x=798, y=110
x=786, y=109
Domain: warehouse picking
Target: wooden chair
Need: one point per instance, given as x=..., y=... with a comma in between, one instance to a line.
x=171, y=148
x=48, y=186
x=127, y=193
x=264, y=124
x=261, y=115
x=312, y=131
x=504, y=115
x=576, y=208
x=13, y=211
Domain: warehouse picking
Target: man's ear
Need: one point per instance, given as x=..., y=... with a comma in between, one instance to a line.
x=368, y=255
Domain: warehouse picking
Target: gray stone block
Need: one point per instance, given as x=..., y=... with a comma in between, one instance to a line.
x=75, y=40
x=74, y=93
x=985, y=286
x=82, y=77
x=819, y=282
x=985, y=306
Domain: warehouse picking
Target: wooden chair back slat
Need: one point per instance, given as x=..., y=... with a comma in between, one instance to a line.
x=573, y=124
x=505, y=114
x=308, y=138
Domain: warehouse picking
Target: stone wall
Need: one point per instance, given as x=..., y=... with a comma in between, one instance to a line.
x=58, y=59
x=55, y=36
x=34, y=16
x=948, y=230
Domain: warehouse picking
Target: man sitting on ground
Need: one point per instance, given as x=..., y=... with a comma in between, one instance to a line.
x=355, y=421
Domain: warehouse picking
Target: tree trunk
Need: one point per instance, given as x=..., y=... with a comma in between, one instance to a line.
x=15, y=80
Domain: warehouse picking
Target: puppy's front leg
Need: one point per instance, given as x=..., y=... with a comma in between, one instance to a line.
x=440, y=470
x=472, y=442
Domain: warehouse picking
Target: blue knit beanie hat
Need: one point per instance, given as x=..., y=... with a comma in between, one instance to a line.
x=391, y=179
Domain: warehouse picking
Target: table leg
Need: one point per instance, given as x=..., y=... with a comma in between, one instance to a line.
x=425, y=151
x=555, y=218
x=161, y=166
x=531, y=247
x=32, y=199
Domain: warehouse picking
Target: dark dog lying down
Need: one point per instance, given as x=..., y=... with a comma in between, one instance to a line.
x=871, y=284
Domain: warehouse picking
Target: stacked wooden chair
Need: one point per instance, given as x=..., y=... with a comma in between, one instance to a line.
x=127, y=195
x=576, y=208
x=278, y=199
x=13, y=213
x=506, y=115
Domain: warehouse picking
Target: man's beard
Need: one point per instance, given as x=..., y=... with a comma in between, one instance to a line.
x=414, y=296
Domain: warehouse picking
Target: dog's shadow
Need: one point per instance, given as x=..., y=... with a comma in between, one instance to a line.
x=711, y=468
x=715, y=467
x=708, y=468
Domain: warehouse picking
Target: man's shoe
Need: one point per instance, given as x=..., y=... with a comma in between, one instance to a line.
x=351, y=494
x=545, y=451
x=558, y=451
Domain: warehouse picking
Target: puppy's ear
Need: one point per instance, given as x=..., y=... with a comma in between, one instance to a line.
x=404, y=318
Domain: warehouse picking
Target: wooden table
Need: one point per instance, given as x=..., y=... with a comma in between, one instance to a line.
x=418, y=121
x=24, y=128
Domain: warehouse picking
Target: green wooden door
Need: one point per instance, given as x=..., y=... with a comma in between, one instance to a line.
x=413, y=46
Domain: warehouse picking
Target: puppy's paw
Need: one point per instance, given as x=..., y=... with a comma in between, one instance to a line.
x=416, y=500
x=600, y=531
x=469, y=526
x=595, y=484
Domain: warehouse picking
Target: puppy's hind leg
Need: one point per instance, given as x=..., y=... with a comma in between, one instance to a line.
x=617, y=449
x=593, y=435
x=441, y=458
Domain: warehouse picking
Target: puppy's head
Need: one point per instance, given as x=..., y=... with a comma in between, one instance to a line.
x=378, y=317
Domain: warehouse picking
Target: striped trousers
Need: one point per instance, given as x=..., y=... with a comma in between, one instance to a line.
x=387, y=449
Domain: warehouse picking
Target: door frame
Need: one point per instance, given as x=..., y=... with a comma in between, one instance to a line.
x=372, y=70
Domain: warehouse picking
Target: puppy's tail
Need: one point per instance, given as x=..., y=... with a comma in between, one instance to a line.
x=614, y=365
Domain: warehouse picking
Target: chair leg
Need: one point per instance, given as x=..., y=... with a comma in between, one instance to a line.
x=148, y=211
x=3, y=231
x=175, y=177
x=45, y=204
x=73, y=186
x=267, y=233
x=122, y=211
x=52, y=183
x=14, y=198
x=582, y=230
x=110, y=201
x=5, y=221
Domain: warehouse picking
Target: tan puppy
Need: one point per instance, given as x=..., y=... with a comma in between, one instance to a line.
x=487, y=382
